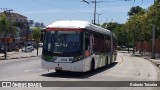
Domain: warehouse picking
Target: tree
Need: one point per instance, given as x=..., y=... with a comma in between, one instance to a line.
x=136, y=10
x=36, y=36
x=19, y=24
x=117, y=29
x=4, y=29
x=155, y=16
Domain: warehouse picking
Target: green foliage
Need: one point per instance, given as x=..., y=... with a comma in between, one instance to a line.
x=140, y=23
x=5, y=29
x=4, y=25
x=138, y=27
x=136, y=10
x=118, y=30
x=19, y=24
x=37, y=34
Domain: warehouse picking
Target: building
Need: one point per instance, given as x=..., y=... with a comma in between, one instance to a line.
x=21, y=23
x=40, y=25
x=14, y=17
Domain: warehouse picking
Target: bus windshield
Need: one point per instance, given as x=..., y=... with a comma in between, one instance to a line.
x=63, y=43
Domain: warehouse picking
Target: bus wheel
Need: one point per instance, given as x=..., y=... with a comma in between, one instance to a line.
x=92, y=65
x=106, y=62
x=58, y=71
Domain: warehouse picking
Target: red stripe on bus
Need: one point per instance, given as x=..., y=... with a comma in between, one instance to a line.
x=63, y=29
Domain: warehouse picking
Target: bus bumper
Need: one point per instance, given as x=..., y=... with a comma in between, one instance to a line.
x=73, y=67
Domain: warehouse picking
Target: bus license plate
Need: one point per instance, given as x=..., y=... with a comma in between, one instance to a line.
x=58, y=68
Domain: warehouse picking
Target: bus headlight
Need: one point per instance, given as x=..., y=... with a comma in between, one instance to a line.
x=77, y=58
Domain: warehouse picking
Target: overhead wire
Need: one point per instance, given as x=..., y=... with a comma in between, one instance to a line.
x=104, y=12
x=68, y=9
x=141, y=3
x=57, y=6
x=101, y=10
x=107, y=2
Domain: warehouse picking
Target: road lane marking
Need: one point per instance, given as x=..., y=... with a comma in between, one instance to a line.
x=121, y=60
x=33, y=70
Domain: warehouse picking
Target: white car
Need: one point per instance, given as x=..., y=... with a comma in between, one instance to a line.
x=28, y=49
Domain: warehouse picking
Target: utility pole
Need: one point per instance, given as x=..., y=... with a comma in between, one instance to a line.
x=153, y=34
x=98, y=17
x=95, y=8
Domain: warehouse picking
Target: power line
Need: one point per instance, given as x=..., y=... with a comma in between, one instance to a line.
x=95, y=8
x=95, y=5
x=104, y=12
x=141, y=3
x=56, y=6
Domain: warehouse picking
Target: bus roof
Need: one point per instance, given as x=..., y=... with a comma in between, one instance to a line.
x=79, y=24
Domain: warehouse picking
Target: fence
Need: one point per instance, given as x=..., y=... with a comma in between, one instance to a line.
x=146, y=46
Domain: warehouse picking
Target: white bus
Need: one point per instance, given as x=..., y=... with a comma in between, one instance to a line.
x=77, y=46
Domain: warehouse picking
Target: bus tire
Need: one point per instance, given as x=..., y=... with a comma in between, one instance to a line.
x=106, y=62
x=58, y=71
x=92, y=65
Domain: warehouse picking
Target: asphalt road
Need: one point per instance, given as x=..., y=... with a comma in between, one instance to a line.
x=126, y=68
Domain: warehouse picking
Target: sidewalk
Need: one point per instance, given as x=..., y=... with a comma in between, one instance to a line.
x=21, y=54
x=147, y=56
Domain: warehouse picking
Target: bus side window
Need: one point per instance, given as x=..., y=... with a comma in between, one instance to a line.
x=87, y=43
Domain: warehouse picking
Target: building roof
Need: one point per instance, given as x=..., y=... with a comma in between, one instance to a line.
x=13, y=14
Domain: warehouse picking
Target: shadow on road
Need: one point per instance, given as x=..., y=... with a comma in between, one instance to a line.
x=80, y=75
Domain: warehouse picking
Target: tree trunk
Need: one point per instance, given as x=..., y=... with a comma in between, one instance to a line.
x=5, y=46
x=5, y=50
x=128, y=49
x=37, y=47
x=133, y=49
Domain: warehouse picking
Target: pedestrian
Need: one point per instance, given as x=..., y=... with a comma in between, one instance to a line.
x=142, y=52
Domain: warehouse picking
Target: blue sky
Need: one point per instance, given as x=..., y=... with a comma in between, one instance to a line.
x=48, y=11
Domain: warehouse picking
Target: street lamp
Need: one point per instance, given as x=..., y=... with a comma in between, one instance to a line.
x=98, y=17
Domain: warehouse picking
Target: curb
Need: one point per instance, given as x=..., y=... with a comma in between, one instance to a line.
x=19, y=57
x=156, y=63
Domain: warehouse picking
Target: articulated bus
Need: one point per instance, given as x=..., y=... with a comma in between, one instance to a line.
x=77, y=46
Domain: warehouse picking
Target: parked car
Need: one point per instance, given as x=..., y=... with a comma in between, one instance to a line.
x=40, y=44
x=28, y=49
x=1, y=49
